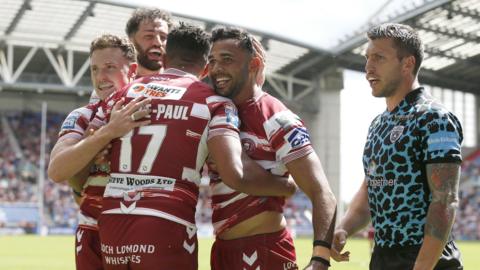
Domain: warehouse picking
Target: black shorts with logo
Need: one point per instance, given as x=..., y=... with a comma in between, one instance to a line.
x=403, y=258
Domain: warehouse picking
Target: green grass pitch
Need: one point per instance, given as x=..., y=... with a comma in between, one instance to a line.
x=57, y=253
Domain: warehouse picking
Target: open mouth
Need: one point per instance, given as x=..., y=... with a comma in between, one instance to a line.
x=155, y=54
x=373, y=81
x=221, y=82
x=106, y=87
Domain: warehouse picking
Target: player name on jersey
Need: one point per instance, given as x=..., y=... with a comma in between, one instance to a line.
x=177, y=112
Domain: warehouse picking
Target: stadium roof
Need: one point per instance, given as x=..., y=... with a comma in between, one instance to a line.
x=45, y=42
x=451, y=33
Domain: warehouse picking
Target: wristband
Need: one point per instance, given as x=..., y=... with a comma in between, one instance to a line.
x=320, y=260
x=322, y=244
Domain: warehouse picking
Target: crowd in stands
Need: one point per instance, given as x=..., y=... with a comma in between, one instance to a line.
x=467, y=224
x=19, y=170
x=19, y=174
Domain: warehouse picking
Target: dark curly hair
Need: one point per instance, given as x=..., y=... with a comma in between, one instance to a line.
x=228, y=32
x=188, y=42
x=146, y=14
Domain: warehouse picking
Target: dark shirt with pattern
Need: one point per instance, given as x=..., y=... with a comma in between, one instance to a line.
x=399, y=145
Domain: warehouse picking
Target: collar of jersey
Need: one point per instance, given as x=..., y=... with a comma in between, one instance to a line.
x=408, y=101
x=178, y=72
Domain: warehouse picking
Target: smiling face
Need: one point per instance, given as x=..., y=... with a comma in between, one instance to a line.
x=150, y=40
x=228, y=66
x=110, y=71
x=383, y=67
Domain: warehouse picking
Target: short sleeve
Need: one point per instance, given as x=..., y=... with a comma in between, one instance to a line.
x=288, y=136
x=224, y=118
x=75, y=124
x=442, y=136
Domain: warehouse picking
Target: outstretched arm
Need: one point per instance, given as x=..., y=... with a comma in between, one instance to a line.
x=244, y=174
x=356, y=218
x=443, y=180
x=310, y=177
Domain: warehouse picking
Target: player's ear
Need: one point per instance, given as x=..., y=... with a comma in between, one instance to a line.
x=132, y=70
x=204, y=73
x=408, y=64
x=255, y=64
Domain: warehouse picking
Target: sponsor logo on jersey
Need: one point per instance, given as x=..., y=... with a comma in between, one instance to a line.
x=403, y=117
x=126, y=254
x=156, y=91
x=298, y=137
x=396, y=133
x=137, y=88
x=70, y=121
x=119, y=184
x=377, y=181
x=443, y=141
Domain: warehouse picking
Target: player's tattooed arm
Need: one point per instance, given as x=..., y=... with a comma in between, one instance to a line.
x=443, y=180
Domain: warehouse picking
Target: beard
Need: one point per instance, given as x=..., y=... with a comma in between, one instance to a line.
x=146, y=62
x=390, y=88
x=237, y=85
x=232, y=91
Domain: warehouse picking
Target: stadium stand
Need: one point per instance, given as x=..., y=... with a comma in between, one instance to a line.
x=467, y=224
x=20, y=144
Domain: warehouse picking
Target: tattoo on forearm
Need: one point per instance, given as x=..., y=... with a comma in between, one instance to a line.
x=443, y=180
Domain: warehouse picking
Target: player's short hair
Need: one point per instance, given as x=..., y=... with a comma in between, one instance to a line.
x=112, y=41
x=146, y=14
x=405, y=38
x=228, y=32
x=188, y=43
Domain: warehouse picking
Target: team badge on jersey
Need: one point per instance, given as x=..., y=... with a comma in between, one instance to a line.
x=396, y=133
x=248, y=145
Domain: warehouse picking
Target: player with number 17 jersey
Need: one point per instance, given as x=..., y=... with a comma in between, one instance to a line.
x=156, y=169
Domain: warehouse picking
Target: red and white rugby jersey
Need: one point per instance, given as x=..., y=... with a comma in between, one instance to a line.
x=272, y=135
x=156, y=169
x=75, y=126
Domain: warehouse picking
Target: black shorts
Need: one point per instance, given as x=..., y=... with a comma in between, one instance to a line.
x=402, y=258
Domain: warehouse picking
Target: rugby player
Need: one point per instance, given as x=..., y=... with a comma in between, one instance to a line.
x=112, y=66
x=411, y=162
x=251, y=230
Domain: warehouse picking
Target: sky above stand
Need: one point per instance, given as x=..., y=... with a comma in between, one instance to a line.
x=318, y=23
